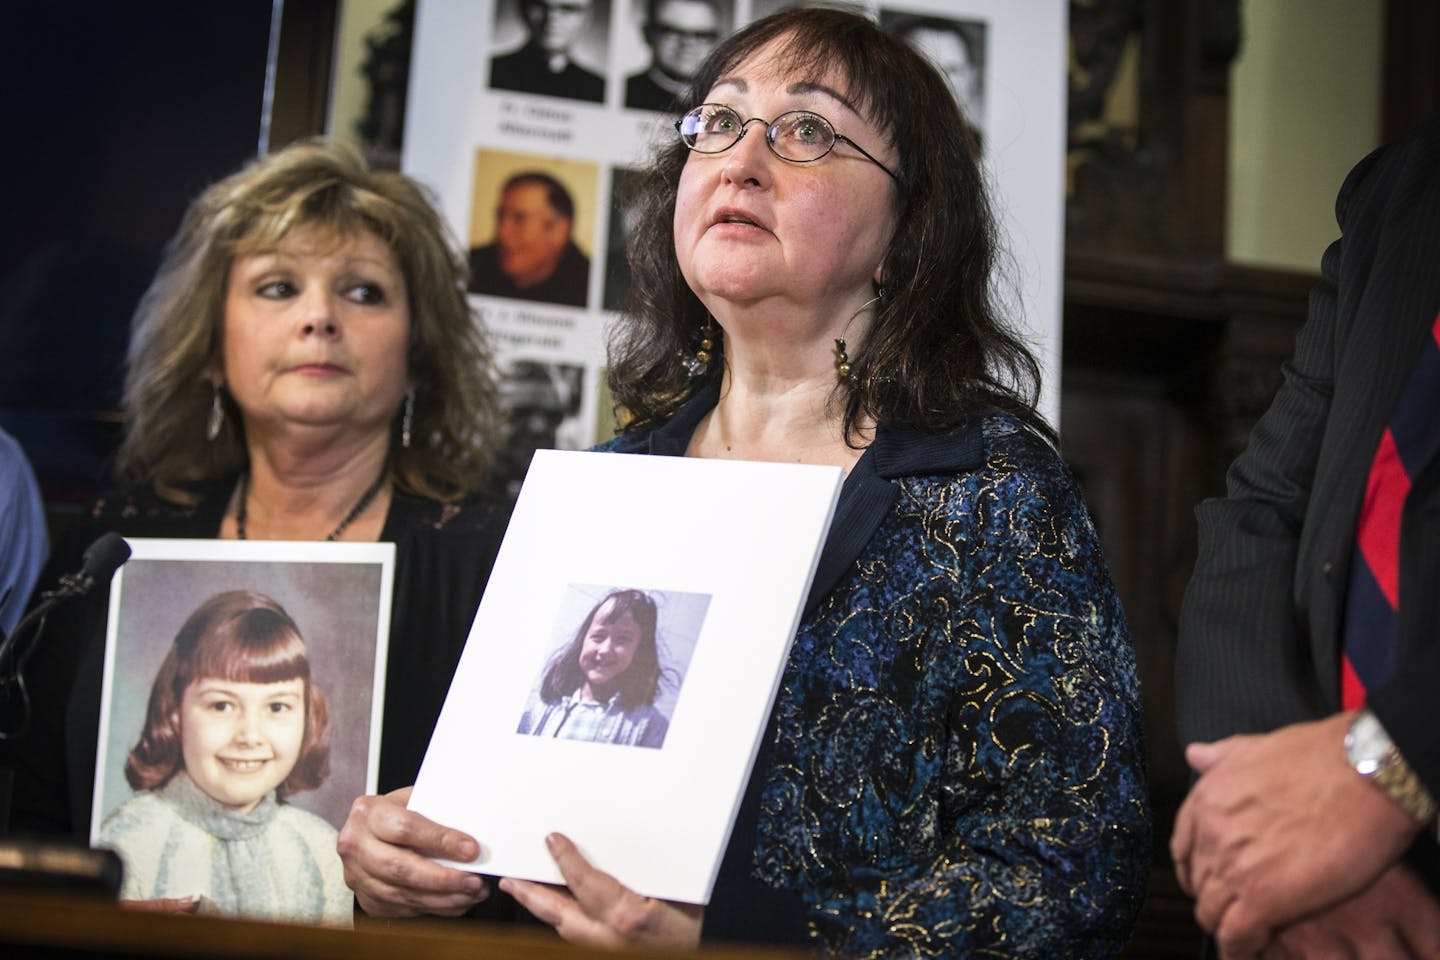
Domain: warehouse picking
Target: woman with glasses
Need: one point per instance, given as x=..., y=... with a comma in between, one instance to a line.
x=954, y=763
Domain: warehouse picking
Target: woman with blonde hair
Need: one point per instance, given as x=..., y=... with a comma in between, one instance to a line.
x=185, y=425
x=305, y=366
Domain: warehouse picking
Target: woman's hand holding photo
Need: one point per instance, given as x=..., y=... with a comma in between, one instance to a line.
x=386, y=850
x=596, y=910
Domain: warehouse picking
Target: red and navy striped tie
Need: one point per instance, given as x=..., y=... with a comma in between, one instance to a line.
x=1371, y=606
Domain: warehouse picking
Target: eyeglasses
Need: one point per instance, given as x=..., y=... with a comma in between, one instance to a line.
x=798, y=136
x=685, y=36
x=562, y=8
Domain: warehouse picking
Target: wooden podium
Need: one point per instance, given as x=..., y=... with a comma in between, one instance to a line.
x=79, y=926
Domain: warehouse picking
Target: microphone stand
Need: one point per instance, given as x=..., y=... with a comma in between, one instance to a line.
x=99, y=563
x=31, y=864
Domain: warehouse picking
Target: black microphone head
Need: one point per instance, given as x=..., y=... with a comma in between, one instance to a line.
x=103, y=557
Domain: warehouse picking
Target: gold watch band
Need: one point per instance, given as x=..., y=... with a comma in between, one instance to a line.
x=1401, y=785
x=1375, y=757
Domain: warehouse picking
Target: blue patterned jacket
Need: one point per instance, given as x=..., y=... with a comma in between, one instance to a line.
x=954, y=765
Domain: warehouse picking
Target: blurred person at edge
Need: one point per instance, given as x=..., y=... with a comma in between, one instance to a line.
x=1308, y=658
x=24, y=539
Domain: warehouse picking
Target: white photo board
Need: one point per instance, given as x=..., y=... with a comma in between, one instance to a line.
x=724, y=553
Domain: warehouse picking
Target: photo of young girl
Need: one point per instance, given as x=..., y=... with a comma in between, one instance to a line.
x=602, y=685
x=234, y=727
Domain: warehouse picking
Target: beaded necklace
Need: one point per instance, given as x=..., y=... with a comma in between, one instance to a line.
x=355, y=511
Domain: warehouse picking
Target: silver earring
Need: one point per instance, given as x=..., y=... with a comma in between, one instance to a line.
x=407, y=419
x=216, y=419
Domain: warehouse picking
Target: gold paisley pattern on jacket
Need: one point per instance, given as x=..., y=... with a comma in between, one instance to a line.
x=958, y=767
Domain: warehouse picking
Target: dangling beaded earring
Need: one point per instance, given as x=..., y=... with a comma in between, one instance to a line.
x=696, y=365
x=216, y=421
x=407, y=418
x=842, y=360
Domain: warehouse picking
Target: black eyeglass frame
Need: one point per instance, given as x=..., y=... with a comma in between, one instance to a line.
x=771, y=132
x=687, y=36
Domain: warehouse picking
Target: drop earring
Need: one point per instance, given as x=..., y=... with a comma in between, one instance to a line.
x=407, y=419
x=216, y=421
x=842, y=360
x=699, y=363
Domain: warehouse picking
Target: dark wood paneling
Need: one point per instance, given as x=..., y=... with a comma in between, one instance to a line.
x=1411, y=68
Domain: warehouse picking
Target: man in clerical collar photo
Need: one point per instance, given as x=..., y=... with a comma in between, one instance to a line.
x=680, y=35
x=545, y=63
x=958, y=50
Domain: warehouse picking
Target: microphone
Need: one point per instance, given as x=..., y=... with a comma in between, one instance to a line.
x=97, y=565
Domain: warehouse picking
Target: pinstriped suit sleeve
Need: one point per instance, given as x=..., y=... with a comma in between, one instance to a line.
x=1243, y=665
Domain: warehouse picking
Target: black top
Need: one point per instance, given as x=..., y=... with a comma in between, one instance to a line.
x=443, y=559
x=528, y=70
x=643, y=92
x=566, y=285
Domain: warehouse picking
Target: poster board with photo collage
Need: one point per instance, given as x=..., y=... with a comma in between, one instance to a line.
x=482, y=109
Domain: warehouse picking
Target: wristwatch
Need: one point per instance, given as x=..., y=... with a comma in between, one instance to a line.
x=1375, y=758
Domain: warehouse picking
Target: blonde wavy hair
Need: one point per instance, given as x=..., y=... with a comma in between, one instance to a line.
x=177, y=332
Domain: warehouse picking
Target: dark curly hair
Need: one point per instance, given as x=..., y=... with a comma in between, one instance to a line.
x=939, y=352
